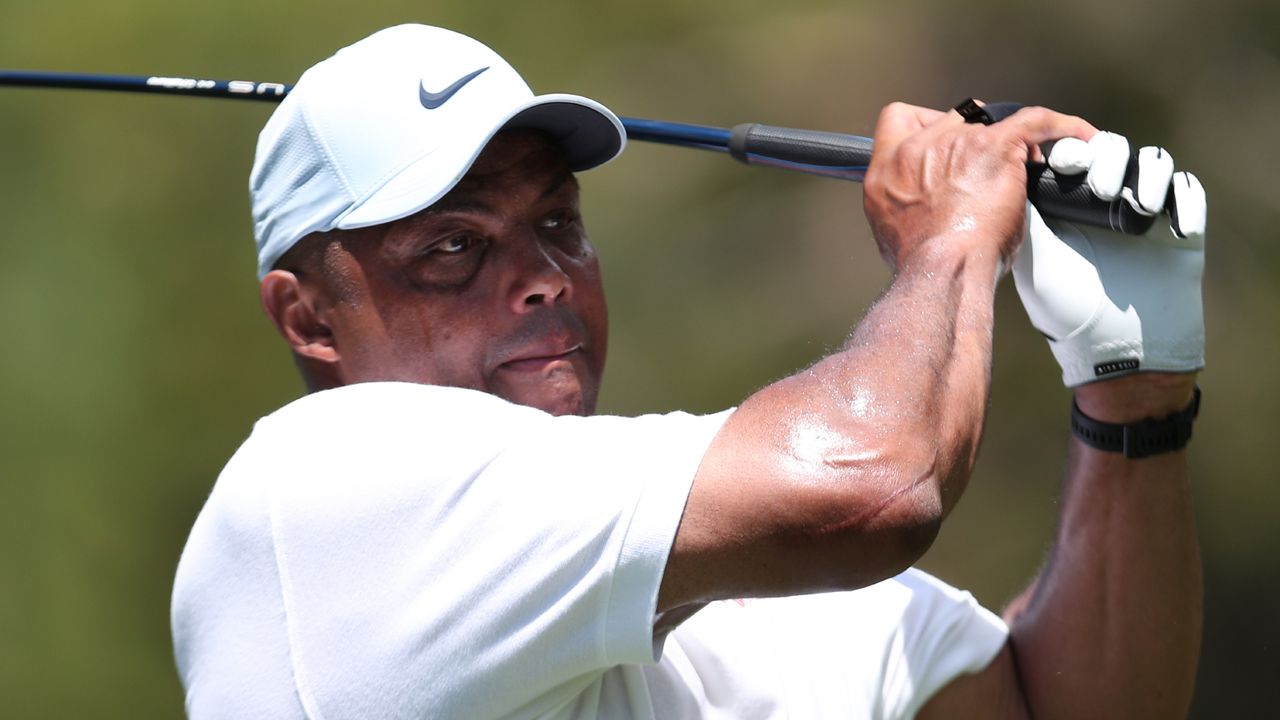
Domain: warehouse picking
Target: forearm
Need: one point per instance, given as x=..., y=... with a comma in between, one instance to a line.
x=894, y=418
x=916, y=371
x=1111, y=628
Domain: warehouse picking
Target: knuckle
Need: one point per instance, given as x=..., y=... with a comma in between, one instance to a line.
x=1027, y=111
x=894, y=108
x=899, y=110
x=1036, y=114
x=909, y=146
x=873, y=185
x=911, y=153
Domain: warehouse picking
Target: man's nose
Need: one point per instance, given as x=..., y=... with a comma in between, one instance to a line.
x=539, y=278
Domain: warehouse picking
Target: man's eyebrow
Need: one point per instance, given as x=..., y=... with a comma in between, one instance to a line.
x=472, y=205
x=558, y=182
x=466, y=204
x=408, y=230
x=459, y=204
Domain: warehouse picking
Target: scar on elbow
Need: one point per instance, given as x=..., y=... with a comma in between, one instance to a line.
x=907, y=517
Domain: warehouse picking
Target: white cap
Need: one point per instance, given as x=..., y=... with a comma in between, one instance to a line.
x=387, y=126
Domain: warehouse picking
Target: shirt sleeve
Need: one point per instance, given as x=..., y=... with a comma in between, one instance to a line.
x=444, y=553
x=944, y=633
x=877, y=653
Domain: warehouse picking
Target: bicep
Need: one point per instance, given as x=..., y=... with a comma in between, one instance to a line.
x=993, y=693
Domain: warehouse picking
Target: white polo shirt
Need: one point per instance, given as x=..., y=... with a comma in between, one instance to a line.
x=390, y=550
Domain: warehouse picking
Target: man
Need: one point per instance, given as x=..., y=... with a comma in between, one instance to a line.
x=443, y=529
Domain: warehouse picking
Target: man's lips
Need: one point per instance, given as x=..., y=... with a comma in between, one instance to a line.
x=541, y=360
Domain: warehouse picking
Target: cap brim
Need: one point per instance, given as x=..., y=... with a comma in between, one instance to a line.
x=588, y=132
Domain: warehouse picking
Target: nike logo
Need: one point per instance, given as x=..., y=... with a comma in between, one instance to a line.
x=433, y=100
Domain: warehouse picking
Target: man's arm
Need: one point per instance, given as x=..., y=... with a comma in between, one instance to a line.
x=1111, y=627
x=1115, y=620
x=839, y=476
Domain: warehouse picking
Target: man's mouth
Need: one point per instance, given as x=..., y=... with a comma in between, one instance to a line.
x=540, y=361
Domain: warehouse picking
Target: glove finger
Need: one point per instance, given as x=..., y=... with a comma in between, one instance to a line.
x=1110, y=161
x=1147, y=183
x=1188, y=208
x=1069, y=156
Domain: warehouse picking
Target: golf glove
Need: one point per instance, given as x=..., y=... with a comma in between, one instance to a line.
x=1112, y=304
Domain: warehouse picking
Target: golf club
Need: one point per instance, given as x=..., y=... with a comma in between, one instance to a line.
x=808, y=151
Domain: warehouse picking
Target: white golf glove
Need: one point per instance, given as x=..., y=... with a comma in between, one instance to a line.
x=1112, y=304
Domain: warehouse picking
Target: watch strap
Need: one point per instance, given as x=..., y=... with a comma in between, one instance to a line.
x=1139, y=439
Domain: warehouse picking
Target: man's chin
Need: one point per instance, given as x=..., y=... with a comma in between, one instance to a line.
x=560, y=393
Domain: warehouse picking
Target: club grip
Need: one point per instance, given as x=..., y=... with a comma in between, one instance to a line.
x=802, y=147
x=847, y=156
x=1067, y=197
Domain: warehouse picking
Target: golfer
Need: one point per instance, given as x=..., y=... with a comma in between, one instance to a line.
x=442, y=528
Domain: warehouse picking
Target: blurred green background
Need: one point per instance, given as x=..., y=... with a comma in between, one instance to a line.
x=135, y=358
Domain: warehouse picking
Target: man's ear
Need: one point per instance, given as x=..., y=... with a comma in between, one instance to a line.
x=295, y=309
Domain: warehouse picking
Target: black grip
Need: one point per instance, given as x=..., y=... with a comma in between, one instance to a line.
x=1067, y=197
x=805, y=147
x=1062, y=197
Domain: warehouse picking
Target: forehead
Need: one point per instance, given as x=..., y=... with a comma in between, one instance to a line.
x=513, y=157
x=516, y=167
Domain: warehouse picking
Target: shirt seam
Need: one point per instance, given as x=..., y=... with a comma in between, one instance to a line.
x=305, y=698
x=608, y=610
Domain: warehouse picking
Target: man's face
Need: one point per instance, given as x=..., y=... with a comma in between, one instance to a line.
x=495, y=287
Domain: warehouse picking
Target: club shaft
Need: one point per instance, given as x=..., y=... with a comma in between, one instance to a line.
x=809, y=151
x=156, y=84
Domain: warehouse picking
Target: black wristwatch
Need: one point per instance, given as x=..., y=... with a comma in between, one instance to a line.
x=1139, y=439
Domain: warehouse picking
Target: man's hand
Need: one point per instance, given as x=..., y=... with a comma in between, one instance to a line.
x=936, y=180
x=1114, y=304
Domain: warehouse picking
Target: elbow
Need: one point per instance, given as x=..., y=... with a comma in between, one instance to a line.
x=872, y=499
x=922, y=481
x=917, y=533
x=886, y=517
x=909, y=518
x=906, y=545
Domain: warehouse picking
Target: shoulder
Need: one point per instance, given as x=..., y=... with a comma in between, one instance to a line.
x=380, y=404
x=382, y=419
x=384, y=442
x=439, y=422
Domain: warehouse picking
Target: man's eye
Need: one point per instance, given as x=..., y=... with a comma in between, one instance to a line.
x=558, y=220
x=448, y=262
x=454, y=245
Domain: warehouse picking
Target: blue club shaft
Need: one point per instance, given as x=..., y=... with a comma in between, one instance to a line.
x=809, y=151
x=656, y=131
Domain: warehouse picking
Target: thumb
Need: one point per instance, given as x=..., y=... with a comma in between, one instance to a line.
x=1056, y=276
